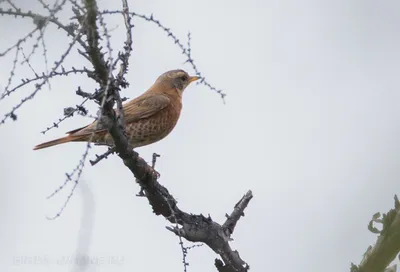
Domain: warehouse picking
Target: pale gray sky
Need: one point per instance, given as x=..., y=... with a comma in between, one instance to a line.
x=311, y=125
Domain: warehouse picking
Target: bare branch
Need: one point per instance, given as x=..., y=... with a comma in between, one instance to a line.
x=69, y=29
x=78, y=169
x=238, y=211
x=39, y=86
x=105, y=155
x=34, y=47
x=197, y=228
x=77, y=5
x=26, y=60
x=45, y=54
x=43, y=76
x=18, y=43
x=66, y=116
x=93, y=37
x=124, y=57
x=12, y=4
x=178, y=233
x=12, y=73
x=185, y=50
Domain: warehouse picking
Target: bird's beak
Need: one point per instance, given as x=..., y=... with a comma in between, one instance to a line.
x=193, y=78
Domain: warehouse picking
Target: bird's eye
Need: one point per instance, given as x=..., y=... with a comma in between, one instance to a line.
x=184, y=77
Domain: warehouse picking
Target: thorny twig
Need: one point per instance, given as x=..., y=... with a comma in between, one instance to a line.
x=19, y=42
x=11, y=4
x=77, y=6
x=102, y=68
x=194, y=246
x=93, y=49
x=26, y=60
x=56, y=7
x=43, y=76
x=78, y=169
x=40, y=20
x=173, y=216
x=34, y=47
x=67, y=115
x=111, y=150
x=12, y=73
x=79, y=109
x=124, y=57
x=179, y=232
x=186, y=50
x=39, y=86
x=45, y=55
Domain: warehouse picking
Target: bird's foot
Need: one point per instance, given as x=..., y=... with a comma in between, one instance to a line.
x=141, y=193
x=158, y=175
x=153, y=165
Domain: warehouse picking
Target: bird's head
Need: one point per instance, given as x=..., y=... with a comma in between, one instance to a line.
x=176, y=79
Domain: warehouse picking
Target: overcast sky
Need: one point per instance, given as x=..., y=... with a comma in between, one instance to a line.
x=311, y=125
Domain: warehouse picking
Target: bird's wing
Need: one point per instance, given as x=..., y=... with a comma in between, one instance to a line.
x=77, y=129
x=141, y=107
x=145, y=106
x=86, y=130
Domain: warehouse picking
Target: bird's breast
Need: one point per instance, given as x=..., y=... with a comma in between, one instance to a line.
x=154, y=128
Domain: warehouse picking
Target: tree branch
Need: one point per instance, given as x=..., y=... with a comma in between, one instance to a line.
x=93, y=37
x=238, y=211
x=69, y=29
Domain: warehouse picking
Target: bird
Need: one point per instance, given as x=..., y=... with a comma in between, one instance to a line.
x=149, y=117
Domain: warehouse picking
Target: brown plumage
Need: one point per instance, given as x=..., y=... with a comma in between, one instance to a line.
x=148, y=118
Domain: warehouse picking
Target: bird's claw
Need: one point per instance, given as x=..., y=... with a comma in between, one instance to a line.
x=141, y=193
x=158, y=175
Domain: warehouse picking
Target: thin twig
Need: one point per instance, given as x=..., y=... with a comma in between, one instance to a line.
x=185, y=50
x=69, y=29
x=39, y=86
x=66, y=116
x=78, y=169
x=19, y=42
x=43, y=76
x=105, y=155
x=12, y=73
x=124, y=57
x=26, y=60
x=45, y=55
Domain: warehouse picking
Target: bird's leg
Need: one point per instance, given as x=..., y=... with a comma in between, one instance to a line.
x=153, y=164
x=141, y=192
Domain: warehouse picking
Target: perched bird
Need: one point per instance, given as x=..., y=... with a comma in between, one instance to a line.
x=148, y=118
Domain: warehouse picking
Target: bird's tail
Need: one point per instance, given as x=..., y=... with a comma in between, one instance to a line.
x=58, y=141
